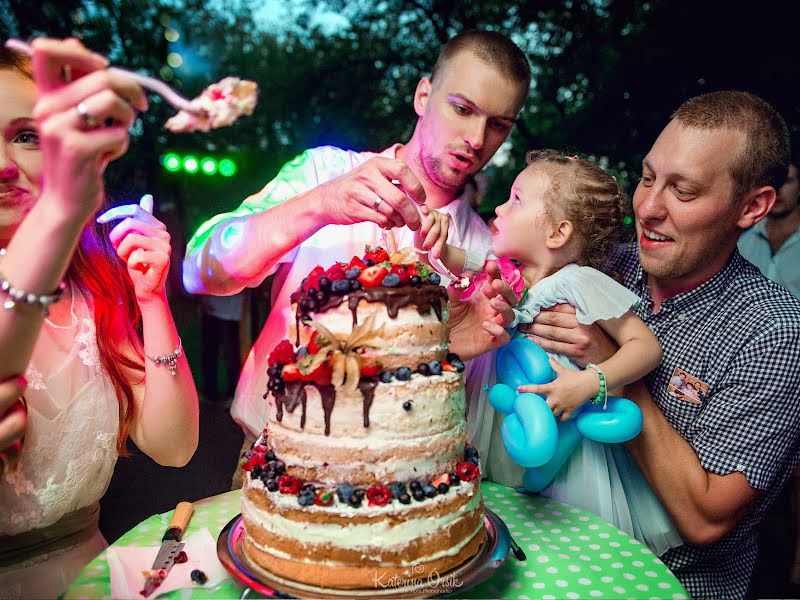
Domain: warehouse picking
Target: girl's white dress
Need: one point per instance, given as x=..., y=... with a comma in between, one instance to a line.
x=602, y=478
x=67, y=460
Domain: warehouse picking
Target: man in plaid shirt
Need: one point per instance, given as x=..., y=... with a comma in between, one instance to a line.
x=717, y=464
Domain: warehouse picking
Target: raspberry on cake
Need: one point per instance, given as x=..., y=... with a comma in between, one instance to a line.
x=365, y=468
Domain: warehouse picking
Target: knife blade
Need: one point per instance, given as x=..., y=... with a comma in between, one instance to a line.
x=171, y=546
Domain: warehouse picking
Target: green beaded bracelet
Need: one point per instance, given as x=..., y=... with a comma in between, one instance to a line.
x=602, y=393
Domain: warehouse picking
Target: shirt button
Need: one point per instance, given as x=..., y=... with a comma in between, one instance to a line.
x=681, y=317
x=740, y=467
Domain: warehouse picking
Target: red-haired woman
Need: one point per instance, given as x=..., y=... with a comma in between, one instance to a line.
x=83, y=313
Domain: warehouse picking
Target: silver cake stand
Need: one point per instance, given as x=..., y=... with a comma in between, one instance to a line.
x=476, y=570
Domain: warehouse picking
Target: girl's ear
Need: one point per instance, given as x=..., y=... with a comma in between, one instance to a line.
x=559, y=235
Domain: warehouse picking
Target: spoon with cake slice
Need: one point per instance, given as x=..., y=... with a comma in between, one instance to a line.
x=219, y=105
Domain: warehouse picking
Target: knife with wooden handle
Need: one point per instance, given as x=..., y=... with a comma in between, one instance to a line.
x=171, y=546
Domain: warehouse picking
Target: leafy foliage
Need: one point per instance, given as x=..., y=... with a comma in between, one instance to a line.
x=607, y=74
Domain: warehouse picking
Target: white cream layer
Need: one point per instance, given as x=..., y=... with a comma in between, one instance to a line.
x=436, y=407
x=422, y=464
x=452, y=551
x=363, y=536
x=340, y=320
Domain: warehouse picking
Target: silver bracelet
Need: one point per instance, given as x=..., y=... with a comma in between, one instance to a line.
x=171, y=360
x=19, y=296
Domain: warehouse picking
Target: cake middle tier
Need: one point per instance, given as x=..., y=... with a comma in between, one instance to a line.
x=405, y=334
x=380, y=432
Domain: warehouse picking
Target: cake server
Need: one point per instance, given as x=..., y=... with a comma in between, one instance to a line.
x=171, y=546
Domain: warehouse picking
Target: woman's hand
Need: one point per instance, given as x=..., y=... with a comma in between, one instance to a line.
x=568, y=391
x=82, y=114
x=143, y=243
x=13, y=422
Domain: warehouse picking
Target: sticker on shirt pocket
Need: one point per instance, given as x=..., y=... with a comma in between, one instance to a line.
x=687, y=387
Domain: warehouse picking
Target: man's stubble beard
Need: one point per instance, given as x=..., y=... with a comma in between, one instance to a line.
x=435, y=171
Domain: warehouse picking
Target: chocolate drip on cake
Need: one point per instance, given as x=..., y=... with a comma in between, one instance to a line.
x=367, y=389
x=328, y=395
x=425, y=298
x=294, y=393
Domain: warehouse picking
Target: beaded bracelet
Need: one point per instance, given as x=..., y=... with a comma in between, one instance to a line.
x=20, y=296
x=171, y=360
x=602, y=394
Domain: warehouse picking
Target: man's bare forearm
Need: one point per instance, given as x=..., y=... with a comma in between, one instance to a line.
x=704, y=506
x=240, y=251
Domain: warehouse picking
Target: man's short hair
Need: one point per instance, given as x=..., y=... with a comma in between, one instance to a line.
x=764, y=157
x=494, y=49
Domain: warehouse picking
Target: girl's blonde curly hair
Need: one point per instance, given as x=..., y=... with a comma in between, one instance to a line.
x=588, y=197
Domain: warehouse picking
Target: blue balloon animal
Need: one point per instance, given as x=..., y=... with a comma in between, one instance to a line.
x=532, y=435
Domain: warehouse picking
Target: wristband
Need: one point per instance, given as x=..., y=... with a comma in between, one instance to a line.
x=602, y=394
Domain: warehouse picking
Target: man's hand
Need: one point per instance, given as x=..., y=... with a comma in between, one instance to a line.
x=557, y=331
x=477, y=326
x=367, y=193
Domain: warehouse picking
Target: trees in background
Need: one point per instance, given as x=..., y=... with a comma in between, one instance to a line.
x=607, y=74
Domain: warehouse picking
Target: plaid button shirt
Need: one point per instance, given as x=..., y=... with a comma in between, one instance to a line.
x=740, y=334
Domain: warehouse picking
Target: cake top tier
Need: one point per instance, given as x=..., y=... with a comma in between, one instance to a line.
x=397, y=279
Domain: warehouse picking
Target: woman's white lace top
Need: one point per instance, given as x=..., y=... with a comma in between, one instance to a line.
x=69, y=452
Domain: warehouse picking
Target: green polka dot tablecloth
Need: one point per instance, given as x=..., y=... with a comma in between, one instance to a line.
x=570, y=554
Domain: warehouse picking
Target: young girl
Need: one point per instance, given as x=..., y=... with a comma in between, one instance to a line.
x=563, y=217
x=94, y=374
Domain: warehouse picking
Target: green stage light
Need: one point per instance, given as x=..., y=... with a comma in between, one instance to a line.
x=190, y=164
x=227, y=167
x=627, y=220
x=172, y=162
x=208, y=165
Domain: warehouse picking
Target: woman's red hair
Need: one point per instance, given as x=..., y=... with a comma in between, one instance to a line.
x=97, y=271
x=101, y=276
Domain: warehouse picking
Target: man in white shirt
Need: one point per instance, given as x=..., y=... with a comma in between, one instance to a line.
x=773, y=245
x=327, y=203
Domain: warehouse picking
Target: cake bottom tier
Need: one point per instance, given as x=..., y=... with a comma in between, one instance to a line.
x=364, y=574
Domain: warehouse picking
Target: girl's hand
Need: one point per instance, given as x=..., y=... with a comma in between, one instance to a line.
x=142, y=242
x=432, y=235
x=568, y=391
x=82, y=115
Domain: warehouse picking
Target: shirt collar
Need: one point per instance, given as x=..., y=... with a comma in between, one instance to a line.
x=693, y=297
x=760, y=228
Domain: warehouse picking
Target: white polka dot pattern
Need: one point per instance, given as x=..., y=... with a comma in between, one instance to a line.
x=570, y=554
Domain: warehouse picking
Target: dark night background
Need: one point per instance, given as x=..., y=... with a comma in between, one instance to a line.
x=607, y=75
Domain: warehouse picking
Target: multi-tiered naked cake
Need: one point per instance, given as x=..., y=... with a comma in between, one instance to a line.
x=362, y=478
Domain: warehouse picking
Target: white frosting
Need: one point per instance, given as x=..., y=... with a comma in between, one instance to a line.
x=452, y=551
x=433, y=411
x=358, y=535
x=340, y=319
x=422, y=465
